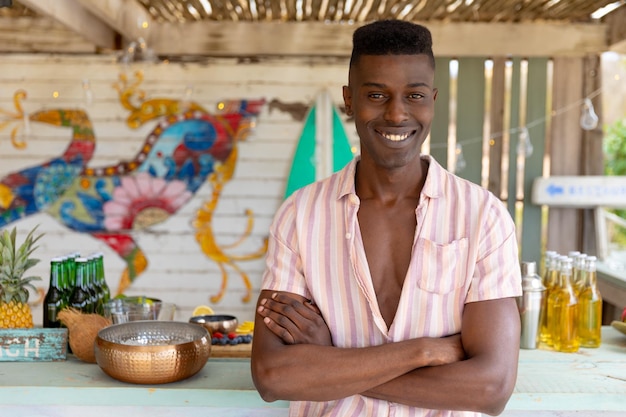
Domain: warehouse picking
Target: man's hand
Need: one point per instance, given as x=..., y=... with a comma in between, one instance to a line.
x=444, y=350
x=294, y=320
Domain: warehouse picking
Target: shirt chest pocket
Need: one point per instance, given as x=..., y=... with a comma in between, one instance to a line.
x=441, y=268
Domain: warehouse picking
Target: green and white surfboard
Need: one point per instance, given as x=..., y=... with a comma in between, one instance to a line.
x=323, y=148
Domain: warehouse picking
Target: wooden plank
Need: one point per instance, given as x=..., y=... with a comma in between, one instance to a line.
x=564, y=224
x=616, y=31
x=128, y=18
x=514, y=121
x=496, y=126
x=242, y=350
x=533, y=165
x=592, y=162
x=76, y=18
x=439, y=127
x=470, y=115
x=33, y=345
x=452, y=39
x=25, y=34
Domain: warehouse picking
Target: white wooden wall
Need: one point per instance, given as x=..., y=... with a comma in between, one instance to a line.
x=178, y=271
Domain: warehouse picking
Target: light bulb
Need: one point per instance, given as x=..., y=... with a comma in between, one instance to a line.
x=459, y=164
x=588, y=116
x=524, y=145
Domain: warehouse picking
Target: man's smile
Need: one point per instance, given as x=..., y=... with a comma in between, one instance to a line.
x=395, y=137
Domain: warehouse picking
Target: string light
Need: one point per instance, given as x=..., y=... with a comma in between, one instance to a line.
x=459, y=163
x=588, y=116
x=525, y=146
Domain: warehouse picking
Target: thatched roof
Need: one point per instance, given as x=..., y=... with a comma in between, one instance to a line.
x=224, y=27
x=367, y=10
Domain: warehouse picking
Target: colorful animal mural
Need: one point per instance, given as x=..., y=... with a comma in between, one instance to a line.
x=187, y=147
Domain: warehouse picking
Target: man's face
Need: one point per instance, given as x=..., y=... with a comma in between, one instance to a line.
x=392, y=99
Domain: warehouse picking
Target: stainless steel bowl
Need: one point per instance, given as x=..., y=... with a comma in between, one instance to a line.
x=122, y=310
x=152, y=352
x=216, y=323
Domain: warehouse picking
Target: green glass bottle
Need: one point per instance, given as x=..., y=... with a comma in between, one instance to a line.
x=70, y=263
x=66, y=280
x=81, y=298
x=92, y=285
x=105, y=291
x=54, y=301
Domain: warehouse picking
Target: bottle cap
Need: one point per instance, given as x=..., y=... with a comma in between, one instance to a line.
x=529, y=268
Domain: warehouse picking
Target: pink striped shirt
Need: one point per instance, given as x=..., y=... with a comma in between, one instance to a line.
x=464, y=250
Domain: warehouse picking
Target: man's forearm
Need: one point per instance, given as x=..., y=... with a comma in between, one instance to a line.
x=325, y=373
x=469, y=385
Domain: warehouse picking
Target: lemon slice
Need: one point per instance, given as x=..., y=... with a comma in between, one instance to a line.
x=202, y=311
x=246, y=327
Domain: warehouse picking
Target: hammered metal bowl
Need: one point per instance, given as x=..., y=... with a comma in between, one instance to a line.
x=152, y=352
x=216, y=322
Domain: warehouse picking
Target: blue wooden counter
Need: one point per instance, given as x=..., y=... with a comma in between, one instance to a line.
x=589, y=383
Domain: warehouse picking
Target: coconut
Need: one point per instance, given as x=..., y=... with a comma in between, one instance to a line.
x=83, y=329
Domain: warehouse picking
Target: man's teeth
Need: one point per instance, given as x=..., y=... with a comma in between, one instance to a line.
x=397, y=137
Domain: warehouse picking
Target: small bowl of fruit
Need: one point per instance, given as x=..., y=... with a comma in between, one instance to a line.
x=215, y=323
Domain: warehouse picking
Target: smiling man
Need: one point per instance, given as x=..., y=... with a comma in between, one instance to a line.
x=390, y=286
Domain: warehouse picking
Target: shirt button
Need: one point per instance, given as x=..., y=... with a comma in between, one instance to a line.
x=348, y=235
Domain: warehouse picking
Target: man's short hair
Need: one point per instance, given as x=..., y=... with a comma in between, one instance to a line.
x=391, y=37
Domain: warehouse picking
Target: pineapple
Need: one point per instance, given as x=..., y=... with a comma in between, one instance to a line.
x=14, y=262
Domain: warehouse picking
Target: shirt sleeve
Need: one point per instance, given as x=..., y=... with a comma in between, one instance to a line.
x=497, y=273
x=283, y=263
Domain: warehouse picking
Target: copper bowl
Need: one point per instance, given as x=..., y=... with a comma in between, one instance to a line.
x=216, y=323
x=152, y=352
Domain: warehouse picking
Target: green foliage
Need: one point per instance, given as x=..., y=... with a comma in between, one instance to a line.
x=615, y=160
x=615, y=148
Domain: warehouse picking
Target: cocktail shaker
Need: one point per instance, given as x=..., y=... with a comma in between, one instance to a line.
x=530, y=305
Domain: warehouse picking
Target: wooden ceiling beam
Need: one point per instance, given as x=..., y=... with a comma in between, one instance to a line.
x=318, y=38
x=40, y=35
x=129, y=18
x=617, y=30
x=78, y=19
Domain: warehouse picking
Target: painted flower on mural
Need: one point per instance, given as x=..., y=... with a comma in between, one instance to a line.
x=143, y=200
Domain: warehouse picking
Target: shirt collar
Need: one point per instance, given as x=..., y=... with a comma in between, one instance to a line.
x=432, y=185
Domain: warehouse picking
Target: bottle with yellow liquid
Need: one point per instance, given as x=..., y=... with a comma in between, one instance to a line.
x=578, y=272
x=590, y=307
x=550, y=280
x=563, y=311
